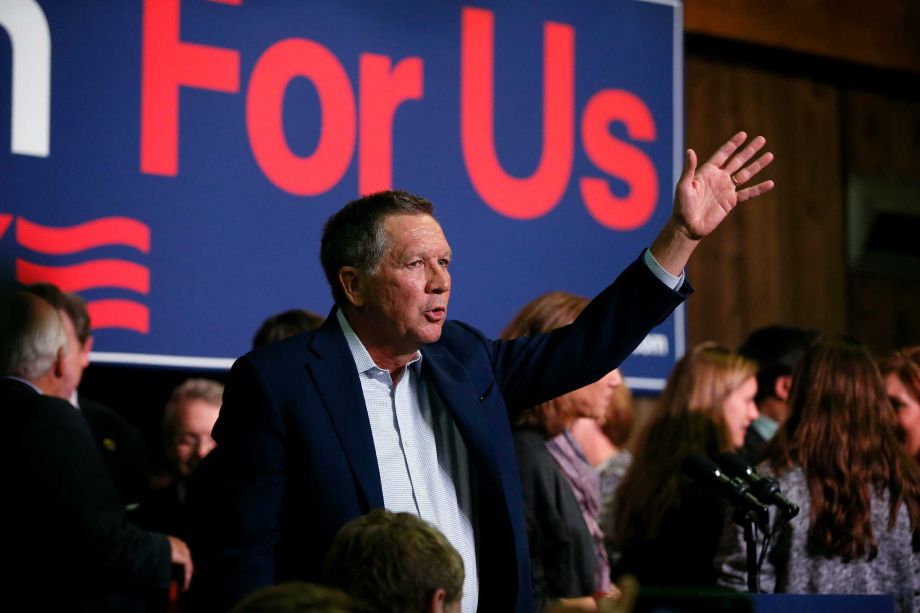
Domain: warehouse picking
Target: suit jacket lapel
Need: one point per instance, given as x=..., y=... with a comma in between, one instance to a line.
x=333, y=370
x=461, y=398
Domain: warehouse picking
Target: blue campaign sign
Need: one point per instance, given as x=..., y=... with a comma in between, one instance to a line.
x=174, y=161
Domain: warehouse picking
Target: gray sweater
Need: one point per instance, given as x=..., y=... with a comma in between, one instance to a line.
x=789, y=568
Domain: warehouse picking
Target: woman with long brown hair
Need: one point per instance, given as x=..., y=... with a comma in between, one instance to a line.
x=902, y=382
x=838, y=457
x=667, y=529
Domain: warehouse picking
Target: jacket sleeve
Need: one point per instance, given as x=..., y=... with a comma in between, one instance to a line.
x=536, y=369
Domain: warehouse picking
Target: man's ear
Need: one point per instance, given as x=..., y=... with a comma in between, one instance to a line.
x=437, y=604
x=57, y=367
x=352, y=283
x=782, y=386
x=85, y=350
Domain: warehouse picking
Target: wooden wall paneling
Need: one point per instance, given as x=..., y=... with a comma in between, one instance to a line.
x=778, y=258
x=879, y=34
x=882, y=134
x=884, y=312
x=882, y=141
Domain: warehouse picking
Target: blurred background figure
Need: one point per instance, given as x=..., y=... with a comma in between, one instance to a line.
x=188, y=418
x=777, y=351
x=902, y=382
x=120, y=444
x=560, y=487
x=70, y=543
x=605, y=445
x=285, y=324
x=667, y=529
x=838, y=457
x=396, y=563
x=603, y=439
x=298, y=597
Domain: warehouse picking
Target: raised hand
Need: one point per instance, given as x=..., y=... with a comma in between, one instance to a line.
x=706, y=195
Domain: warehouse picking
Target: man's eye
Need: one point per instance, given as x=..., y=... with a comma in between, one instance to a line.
x=415, y=263
x=444, y=262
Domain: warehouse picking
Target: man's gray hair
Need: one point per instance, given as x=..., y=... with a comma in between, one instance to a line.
x=206, y=390
x=355, y=235
x=31, y=334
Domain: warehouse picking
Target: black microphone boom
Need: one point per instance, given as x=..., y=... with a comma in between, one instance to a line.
x=704, y=471
x=766, y=489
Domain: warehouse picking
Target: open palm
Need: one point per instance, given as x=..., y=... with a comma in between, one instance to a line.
x=706, y=195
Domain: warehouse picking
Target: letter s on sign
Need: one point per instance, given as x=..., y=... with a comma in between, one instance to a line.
x=619, y=159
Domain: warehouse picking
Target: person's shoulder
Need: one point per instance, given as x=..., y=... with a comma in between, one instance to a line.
x=794, y=474
x=616, y=466
x=292, y=348
x=530, y=445
x=96, y=412
x=462, y=339
x=792, y=481
x=455, y=329
x=51, y=410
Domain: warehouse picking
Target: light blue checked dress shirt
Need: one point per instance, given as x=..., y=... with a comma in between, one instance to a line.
x=423, y=462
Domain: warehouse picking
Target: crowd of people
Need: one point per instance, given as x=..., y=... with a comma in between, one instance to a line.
x=388, y=459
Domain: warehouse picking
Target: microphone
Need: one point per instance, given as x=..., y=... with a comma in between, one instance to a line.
x=702, y=470
x=766, y=489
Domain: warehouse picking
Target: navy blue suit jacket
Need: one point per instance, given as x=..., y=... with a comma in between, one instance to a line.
x=295, y=456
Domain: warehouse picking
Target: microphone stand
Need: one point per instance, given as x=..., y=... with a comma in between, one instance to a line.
x=749, y=510
x=747, y=519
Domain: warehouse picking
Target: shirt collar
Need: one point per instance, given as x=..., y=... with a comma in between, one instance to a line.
x=27, y=382
x=765, y=426
x=363, y=360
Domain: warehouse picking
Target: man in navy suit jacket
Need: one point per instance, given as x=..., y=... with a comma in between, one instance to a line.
x=388, y=404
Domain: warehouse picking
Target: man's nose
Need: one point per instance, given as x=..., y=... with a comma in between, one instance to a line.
x=439, y=281
x=206, y=446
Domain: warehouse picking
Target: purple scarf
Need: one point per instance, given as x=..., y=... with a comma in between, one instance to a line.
x=586, y=487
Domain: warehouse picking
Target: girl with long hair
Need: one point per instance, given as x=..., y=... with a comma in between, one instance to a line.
x=667, y=529
x=839, y=458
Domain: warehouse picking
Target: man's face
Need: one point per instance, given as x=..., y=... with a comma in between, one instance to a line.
x=405, y=302
x=191, y=439
x=73, y=360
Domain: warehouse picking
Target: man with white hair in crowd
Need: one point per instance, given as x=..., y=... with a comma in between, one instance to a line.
x=69, y=539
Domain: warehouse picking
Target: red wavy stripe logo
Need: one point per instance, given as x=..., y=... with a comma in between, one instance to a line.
x=96, y=233
x=89, y=275
x=5, y=223
x=119, y=314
